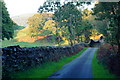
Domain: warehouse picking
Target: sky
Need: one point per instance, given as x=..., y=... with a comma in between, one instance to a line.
x=18, y=7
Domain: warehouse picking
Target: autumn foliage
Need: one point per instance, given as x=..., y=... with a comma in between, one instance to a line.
x=24, y=36
x=40, y=26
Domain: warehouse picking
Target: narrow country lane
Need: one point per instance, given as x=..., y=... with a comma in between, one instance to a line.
x=81, y=67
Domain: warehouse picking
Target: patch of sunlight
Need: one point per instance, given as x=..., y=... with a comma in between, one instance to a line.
x=94, y=37
x=24, y=35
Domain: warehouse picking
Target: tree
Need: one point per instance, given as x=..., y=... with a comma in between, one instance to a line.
x=68, y=15
x=40, y=26
x=68, y=19
x=50, y=25
x=49, y=6
x=110, y=11
x=87, y=27
x=7, y=23
x=37, y=22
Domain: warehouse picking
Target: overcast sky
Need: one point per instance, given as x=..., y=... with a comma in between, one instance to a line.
x=18, y=7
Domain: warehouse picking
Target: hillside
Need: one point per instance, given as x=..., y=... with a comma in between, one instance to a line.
x=21, y=20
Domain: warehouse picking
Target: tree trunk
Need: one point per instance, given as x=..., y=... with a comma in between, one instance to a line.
x=73, y=36
x=118, y=32
x=78, y=40
x=71, y=33
x=81, y=39
x=118, y=48
x=58, y=37
x=70, y=38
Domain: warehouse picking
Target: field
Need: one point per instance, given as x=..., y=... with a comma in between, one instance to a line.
x=6, y=43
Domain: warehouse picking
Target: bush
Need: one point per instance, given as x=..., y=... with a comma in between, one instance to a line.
x=107, y=55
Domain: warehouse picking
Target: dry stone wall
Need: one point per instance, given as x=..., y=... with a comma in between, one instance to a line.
x=15, y=58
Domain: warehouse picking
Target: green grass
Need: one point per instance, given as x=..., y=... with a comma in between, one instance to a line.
x=47, y=69
x=99, y=71
x=6, y=43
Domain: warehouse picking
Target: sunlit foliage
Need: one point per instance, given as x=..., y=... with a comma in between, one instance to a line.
x=40, y=25
x=37, y=22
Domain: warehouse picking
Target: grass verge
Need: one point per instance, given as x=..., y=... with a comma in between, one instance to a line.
x=99, y=71
x=47, y=69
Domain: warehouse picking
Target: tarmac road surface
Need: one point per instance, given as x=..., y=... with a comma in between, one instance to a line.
x=80, y=67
